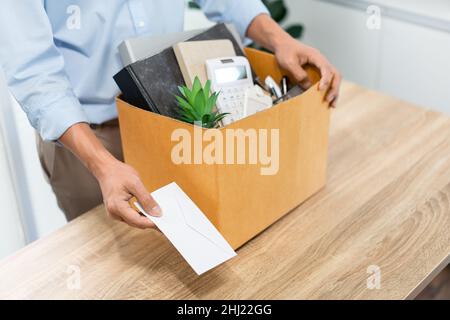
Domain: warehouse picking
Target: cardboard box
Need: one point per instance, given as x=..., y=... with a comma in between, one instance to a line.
x=241, y=200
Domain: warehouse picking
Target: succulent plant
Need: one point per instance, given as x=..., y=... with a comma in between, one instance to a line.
x=197, y=105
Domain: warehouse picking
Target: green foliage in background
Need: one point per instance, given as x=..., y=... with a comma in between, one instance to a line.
x=198, y=105
x=278, y=11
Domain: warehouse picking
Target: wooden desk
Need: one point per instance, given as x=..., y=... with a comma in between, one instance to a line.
x=387, y=203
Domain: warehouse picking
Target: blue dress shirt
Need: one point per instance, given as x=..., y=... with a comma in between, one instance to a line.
x=59, y=56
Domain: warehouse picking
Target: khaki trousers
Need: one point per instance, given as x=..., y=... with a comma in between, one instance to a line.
x=75, y=188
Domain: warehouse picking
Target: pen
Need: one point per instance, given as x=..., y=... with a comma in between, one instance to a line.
x=284, y=85
x=273, y=86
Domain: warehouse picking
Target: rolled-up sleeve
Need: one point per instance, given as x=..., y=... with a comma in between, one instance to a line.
x=239, y=12
x=34, y=69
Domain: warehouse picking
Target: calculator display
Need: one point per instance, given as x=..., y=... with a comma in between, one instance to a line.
x=230, y=74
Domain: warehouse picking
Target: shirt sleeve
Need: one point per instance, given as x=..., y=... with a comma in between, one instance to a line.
x=34, y=69
x=239, y=12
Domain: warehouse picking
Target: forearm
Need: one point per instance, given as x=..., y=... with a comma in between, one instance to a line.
x=265, y=31
x=82, y=142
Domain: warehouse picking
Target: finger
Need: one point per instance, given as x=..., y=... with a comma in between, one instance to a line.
x=133, y=218
x=326, y=78
x=299, y=75
x=112, y=210
x=116, y=217
x=326, y=74
x=333, y=93
x=145, y=199
x=306, y=84
x=333, y=103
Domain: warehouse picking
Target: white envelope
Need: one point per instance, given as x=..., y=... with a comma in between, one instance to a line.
x=192, y=234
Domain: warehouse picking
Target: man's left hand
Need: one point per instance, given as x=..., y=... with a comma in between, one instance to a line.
x=292, y=55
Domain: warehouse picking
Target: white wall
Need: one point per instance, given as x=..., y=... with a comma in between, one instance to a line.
x=416, y=64
x=11, y=231
x=341, y=35
x=29, y=209
x=406, y=58
x=46, y=214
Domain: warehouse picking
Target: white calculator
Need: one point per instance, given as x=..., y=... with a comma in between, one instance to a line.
x=231, y=76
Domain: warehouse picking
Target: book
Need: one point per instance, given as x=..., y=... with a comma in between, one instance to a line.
x=191, y=57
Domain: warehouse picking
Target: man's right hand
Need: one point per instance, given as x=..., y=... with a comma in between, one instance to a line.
x=118, y=181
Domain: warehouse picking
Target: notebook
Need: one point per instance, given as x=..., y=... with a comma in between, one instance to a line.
x=191, y=57
x=151, y=83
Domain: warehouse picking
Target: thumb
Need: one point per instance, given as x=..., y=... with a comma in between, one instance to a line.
x=145, y=199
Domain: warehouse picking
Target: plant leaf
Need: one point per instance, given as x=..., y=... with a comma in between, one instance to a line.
x=183, y=103
x=207, y=117
x=277, y=9
x=213, y=100
x=193, y=5
x=207, y=90
x=221, y=116
x=197, y=104
x=200, y=104
x=196, y=87
x=190, y=96
x=187, y=108
x=183, y=90
x=295, y=31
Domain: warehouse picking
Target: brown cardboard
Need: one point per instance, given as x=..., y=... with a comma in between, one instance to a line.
x=237, y=199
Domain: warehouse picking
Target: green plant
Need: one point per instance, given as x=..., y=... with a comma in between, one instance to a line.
x=197, y=105
x=279, y=11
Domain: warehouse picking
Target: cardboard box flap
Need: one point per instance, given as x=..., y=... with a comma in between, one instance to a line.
x=265, y=64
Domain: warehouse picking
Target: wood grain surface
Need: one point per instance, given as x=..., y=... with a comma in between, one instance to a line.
x=386, y=203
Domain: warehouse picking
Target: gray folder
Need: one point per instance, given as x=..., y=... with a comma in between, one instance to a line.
x=135, y=49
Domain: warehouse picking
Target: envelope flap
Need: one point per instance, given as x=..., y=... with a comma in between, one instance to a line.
x=196, y=220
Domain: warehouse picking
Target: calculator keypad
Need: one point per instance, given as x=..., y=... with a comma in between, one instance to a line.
x=231, y=100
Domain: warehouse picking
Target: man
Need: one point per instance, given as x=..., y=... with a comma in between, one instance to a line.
x=59, y=57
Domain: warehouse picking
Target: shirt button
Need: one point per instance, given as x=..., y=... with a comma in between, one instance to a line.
x=141, y=24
